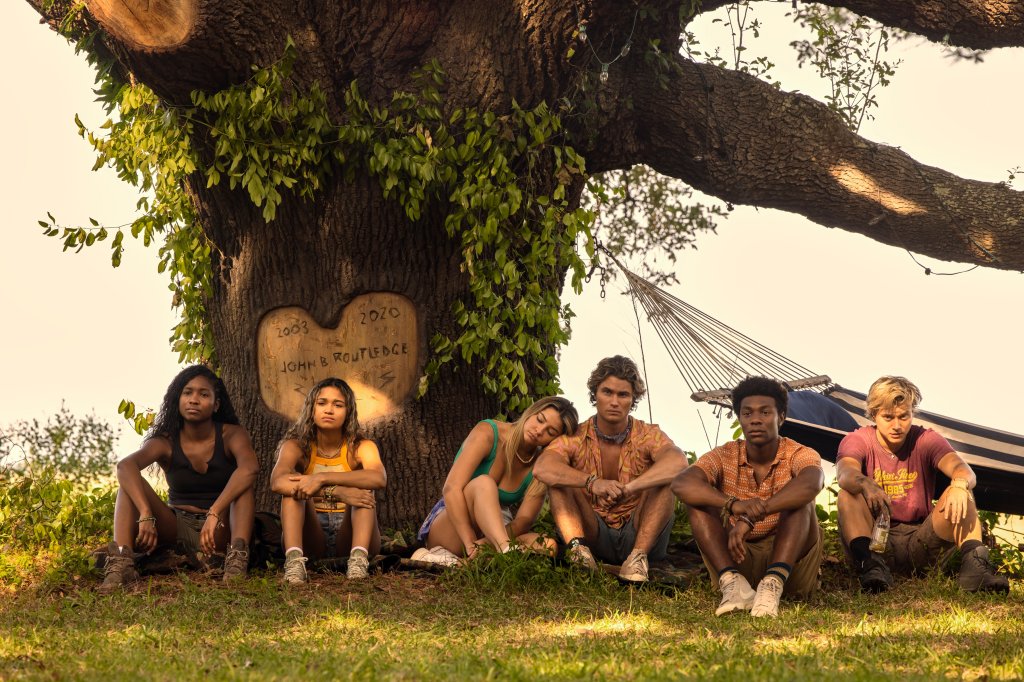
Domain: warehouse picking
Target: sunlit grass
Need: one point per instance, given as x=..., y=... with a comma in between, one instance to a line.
x=408, y=626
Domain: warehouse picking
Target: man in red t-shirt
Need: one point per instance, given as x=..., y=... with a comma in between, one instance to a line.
x=891, y=468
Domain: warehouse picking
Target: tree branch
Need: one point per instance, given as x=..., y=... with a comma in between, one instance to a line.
x=978, y=24
x=735, y=137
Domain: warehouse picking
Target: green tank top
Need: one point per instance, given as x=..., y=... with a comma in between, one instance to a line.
x=505, y=498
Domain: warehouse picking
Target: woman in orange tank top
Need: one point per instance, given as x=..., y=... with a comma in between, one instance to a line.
x=326, y=474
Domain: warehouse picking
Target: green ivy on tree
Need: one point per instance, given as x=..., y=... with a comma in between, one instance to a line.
x=517, y=236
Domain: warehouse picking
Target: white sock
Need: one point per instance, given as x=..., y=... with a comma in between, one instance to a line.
x=353, y=550
x=296, y=549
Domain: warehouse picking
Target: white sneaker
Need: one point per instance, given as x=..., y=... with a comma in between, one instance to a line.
x=737, y=594
x=358, y=565
x=437, y=555
x=766, y=601
x=295, y=568
x=634, y=568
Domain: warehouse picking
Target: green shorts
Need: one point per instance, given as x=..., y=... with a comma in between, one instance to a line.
x=190, y=525
x=803, y=581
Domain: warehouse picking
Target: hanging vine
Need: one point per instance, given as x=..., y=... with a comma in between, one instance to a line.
x=516, y=230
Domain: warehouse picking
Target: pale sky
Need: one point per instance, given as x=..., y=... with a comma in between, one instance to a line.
x=80, y=331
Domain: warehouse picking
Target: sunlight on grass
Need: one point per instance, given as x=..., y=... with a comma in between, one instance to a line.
x=612, y=623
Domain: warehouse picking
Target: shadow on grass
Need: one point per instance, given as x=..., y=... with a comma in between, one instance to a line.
x=505, y=621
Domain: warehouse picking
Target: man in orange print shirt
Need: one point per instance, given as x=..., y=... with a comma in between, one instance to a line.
x=751, y=506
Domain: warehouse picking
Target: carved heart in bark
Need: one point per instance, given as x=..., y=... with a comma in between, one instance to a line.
x=375, y=348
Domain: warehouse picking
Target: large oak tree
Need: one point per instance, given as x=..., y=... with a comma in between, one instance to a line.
x=720, y=131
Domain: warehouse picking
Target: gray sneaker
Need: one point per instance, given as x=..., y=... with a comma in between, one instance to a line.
x=358, y=565
x=236, y=563
x=119, y=569
x=737, y=594
x=295, y=568
x=766, y=599
x=634, y=568
x=579, y=555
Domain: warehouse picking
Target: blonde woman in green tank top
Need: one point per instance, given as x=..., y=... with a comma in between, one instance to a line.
x=493, y=472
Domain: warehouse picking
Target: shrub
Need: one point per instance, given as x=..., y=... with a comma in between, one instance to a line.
x=53, y=520
x=77, y=448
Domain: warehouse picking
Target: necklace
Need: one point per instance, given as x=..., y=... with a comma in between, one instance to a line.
x=528, y=460
x=327, y=455
x=618, y=438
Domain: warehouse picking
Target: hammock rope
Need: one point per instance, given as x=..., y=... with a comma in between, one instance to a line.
x=712, y=356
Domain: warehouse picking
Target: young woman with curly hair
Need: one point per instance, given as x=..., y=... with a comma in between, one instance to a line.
x=326, y=473
x=210, y=466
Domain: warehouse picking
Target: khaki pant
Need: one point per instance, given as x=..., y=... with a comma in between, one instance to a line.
x=803, y=581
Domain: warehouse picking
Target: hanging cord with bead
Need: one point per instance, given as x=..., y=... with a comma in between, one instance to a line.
x=582, y=34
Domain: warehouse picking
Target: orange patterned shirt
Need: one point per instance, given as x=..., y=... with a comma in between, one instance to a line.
x=582, y=451
x=728, y=470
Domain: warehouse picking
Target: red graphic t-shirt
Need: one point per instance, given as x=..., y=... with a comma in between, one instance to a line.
x=909, y=478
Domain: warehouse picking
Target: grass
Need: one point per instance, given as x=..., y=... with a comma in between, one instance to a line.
x=506, y=621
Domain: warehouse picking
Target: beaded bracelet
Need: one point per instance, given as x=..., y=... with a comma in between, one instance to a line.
x=589, y=485
x=220, y=524
x=144, y=519
x=727, y=508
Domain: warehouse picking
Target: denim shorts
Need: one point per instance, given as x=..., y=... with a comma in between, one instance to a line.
x=614, y=544
x=506, y=518
x=330, y=522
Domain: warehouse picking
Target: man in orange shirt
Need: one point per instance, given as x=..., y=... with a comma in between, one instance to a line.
x=751, y=506
x=609, y=481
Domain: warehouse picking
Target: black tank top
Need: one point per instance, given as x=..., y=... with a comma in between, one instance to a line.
x=186, y=486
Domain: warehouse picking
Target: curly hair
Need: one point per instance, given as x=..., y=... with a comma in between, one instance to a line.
x=620, y=367
x=889, y=393
x=168, y=421
x=765, y=386
x=304, y=429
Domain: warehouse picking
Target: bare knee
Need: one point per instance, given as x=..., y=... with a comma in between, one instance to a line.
x=481, y=484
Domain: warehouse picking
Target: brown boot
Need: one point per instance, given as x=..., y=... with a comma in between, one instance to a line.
x=236, y=563
x=119, y=569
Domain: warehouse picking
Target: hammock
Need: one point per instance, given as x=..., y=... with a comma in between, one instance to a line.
x=712, y=357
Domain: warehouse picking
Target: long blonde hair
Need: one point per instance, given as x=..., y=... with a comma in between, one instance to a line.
x=570, y=422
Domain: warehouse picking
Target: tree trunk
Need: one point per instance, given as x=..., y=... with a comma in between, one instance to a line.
x=351, y=242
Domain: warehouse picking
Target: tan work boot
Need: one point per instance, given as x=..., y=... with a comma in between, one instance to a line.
x=236, y=563
x=119, y=569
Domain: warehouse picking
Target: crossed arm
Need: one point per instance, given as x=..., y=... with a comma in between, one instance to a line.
x=554, y=470
x=352, y=487
x=694, y=489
